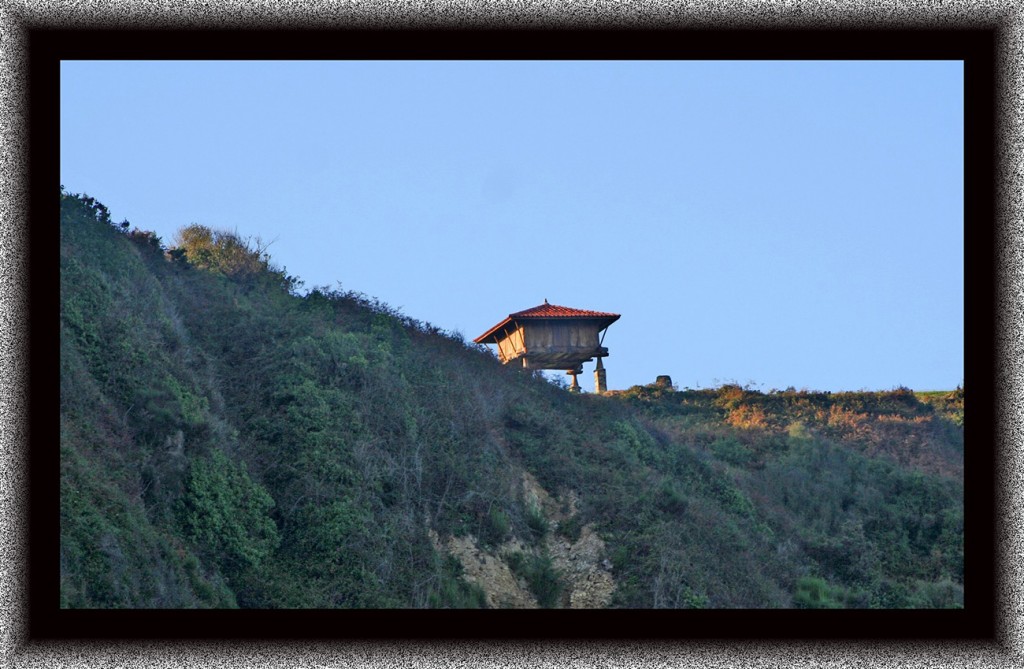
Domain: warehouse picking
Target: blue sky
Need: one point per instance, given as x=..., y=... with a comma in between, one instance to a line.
x=772, y=223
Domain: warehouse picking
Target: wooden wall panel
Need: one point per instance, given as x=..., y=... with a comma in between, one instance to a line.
x=511, y=346
x=561, y=337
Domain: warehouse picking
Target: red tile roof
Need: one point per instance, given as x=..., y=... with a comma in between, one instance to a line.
x=554, y=311
x=546, y=311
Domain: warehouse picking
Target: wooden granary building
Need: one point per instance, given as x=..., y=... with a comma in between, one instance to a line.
x=552, y=337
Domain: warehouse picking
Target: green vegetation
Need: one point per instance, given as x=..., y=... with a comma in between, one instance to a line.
x=540, y=575
x=226, y=441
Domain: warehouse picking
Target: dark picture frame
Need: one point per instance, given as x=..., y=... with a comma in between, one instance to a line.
x=976, y=47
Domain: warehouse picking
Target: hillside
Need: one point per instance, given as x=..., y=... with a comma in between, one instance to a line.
x=226, y=441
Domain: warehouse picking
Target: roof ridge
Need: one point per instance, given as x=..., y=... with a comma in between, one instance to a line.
x=548, y=310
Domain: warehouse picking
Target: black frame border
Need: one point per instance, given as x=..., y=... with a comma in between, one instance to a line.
x=975, y=47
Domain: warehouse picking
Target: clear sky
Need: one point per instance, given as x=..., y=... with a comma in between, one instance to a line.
x=776, y=223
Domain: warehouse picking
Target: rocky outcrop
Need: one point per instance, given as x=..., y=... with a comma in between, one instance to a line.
x=589, y=582
x=488, y=570
x=581, y=562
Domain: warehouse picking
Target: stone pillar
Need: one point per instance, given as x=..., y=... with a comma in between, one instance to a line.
x=600, y=379
x=574, y=387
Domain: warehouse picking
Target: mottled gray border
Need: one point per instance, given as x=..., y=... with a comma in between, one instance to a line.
x=13, y=316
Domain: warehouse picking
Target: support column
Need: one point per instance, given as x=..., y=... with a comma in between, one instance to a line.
x=600, y=379
x=575, y=386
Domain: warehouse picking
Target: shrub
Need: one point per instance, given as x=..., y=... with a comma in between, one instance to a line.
x=536, y=521
x=571, y=528
x=732, y=451
x=815, y=593
x=225, y=513
x=497, y=527
x=454, y=592
x=541, y=577
x=228, y=253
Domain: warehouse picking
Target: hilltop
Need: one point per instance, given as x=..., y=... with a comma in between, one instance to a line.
x=227, y=441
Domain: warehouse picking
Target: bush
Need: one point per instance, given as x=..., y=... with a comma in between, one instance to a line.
x=541, y=577
x=453, y=592
x=497, y=527
x=571, y=528
x=731, y=450
x=225, y=514
x=536, y=521
x=229, y=254
x=815, y=593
